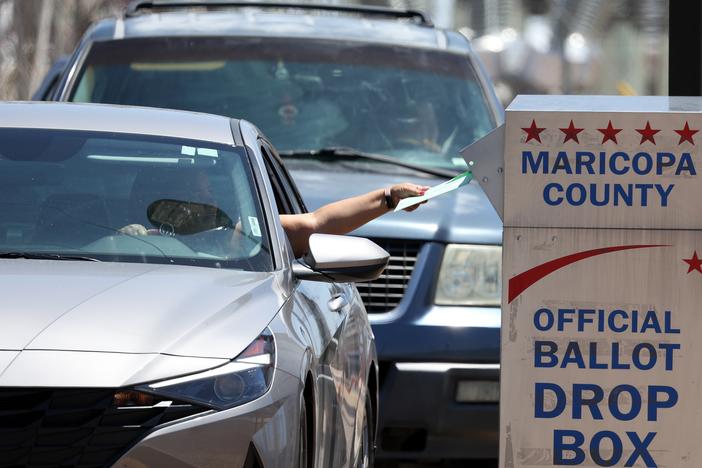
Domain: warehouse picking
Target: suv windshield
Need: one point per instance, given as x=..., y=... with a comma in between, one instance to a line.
x=416, y=104
x=132, y=198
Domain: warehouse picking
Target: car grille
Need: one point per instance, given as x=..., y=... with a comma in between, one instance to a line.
x=385, y=293
x=42, y=427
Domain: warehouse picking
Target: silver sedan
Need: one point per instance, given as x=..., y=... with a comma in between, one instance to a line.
x=152, y=311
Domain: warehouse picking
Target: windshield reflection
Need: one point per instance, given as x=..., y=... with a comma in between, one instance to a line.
x=418, y=105
x=101, y=196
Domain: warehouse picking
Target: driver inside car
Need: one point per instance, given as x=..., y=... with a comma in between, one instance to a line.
x=415, y=126
x=340, y=217
x=151, y=185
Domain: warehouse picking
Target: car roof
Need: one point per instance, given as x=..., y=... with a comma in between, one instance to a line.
x=119, y=119
x=254, y=22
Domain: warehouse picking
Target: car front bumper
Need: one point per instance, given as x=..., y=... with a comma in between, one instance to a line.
x=422, y=367
x=266, y=428
x=422, y=419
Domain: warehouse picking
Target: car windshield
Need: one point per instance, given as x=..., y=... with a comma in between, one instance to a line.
x=419, y=105
x=131, y=198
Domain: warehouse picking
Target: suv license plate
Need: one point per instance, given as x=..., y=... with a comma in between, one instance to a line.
x=477, y=391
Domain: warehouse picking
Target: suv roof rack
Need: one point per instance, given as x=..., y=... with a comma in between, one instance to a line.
x=136, y=7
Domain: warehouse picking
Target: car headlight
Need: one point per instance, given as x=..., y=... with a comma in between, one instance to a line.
x=470, y=275
x=245, y=378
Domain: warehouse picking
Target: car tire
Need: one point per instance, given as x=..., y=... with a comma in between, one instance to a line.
x=366, y=453
x=303, y=455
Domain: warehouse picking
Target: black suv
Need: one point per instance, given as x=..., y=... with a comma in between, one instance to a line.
x=356, y=98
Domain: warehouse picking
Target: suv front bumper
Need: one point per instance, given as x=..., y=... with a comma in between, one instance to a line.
x=423, y=415
x=422, y=419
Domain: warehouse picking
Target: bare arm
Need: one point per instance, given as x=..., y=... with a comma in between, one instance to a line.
x=345, y=215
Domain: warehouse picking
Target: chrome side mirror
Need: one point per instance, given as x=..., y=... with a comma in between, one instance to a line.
x=334, y=258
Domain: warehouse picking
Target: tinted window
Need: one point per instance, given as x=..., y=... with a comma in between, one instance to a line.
x=283, y=182
x=134, y=198
x=416, y=104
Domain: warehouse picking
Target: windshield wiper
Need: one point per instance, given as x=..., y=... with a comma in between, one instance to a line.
x=350, y=153
x=45, y=256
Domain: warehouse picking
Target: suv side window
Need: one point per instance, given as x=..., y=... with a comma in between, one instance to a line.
x=286, y=193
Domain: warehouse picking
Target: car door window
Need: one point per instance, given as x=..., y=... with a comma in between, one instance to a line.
x=277, y=171
x=281, y=198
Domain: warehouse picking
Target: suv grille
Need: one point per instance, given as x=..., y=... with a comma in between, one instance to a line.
x=386, y=292
x=43, y=427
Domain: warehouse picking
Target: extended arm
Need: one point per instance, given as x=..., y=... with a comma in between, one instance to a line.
x=345, y=215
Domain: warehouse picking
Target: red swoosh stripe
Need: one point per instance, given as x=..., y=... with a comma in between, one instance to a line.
x=522, y=281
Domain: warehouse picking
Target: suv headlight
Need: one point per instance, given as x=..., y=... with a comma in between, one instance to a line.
x=470, y=275
x=245, y=378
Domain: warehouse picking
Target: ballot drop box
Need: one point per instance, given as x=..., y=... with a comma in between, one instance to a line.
x=601, y=360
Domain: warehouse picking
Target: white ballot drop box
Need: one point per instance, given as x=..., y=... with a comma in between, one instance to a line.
x=601, y=360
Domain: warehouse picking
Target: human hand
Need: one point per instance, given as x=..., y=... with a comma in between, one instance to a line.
x=406, y=190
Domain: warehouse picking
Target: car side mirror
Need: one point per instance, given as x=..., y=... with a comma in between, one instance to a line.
x=341, y=258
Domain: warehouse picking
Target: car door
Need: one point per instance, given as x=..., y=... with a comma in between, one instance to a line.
x=326, y=307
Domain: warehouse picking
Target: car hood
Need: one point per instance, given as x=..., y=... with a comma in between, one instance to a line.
x=133, y=308
x=462, y=216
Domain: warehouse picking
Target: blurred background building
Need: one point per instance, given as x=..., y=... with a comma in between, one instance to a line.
x=528, y=46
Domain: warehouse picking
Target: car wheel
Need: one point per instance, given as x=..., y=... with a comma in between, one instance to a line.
x=366, y=454
x=303, y=449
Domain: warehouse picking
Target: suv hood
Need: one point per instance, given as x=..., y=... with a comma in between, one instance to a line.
x=133, y=308
x=462, y=216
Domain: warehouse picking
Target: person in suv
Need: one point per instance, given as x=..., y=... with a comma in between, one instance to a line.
x=355, y=98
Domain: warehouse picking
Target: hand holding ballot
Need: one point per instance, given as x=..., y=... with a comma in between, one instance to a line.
x=412, y=203
x=344, y=216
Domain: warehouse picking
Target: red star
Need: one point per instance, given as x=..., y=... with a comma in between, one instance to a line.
x=533, y=132
x=609, y=133
x=647, y=133
x=694, y=262
x=571, y=133
x=686, y=134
